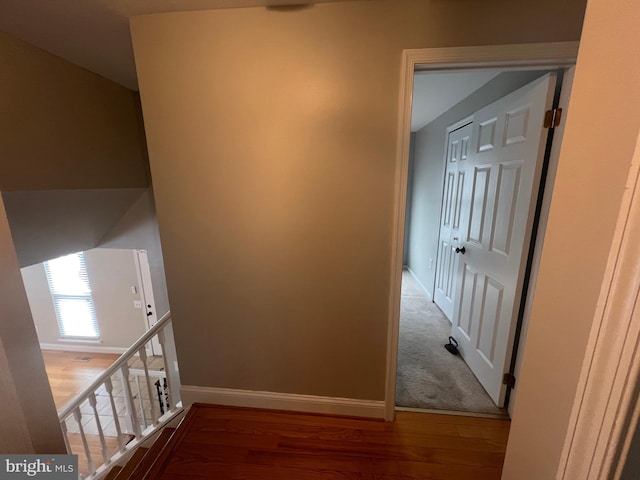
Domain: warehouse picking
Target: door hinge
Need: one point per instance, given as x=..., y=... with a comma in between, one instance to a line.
x=509, y=380
x=552, y=118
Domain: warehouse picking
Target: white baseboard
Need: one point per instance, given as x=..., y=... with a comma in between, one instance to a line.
x=68, y=347
x=282, y=401
x=426, y=291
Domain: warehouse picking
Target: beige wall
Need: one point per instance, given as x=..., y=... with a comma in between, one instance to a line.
x=111, y=273
x=32, y=426
x=15, y=436
x=271, y=138
x=601, y=131
x=64, y=127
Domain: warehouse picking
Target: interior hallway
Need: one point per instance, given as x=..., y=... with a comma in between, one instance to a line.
x=429, y=376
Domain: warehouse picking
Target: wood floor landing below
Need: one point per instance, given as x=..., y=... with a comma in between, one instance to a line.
x=237, y=443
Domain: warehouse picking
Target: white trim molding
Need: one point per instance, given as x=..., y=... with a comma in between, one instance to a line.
x=282, y=401
x=81, y=347
x=503, y=56
x=424, y=289
x=605, y=412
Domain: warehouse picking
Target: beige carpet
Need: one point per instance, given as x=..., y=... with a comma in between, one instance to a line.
x=428, y=375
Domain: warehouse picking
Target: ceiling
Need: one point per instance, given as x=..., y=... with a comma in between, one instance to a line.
x=95, y=33
x=436, y=92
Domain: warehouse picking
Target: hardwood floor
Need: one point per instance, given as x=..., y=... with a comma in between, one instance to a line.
x=235, y=443
x=69, y=372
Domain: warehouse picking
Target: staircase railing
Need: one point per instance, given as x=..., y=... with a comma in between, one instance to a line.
x=130, y=401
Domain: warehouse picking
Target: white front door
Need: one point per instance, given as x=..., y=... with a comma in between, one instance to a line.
x=148, y=302
x=503, y=176
x=449, y=238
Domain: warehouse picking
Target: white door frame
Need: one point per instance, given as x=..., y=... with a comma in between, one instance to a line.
x=523, y=56
x=150, y=317
x=606, y=411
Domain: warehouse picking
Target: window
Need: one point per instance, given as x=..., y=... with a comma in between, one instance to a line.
x=72, y=300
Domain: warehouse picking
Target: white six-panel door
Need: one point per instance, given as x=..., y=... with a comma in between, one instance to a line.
x=456, y=155
x=501, y=182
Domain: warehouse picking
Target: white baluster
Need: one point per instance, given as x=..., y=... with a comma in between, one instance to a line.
x=141, y=403
x=78, y=417
x=128, y=398
x=63, y=426
x=94, y=405
x=108, y=385
x=154, y=408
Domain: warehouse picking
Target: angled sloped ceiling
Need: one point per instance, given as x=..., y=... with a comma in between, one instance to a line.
x=46, y=224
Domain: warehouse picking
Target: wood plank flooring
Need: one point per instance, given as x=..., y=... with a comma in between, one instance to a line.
x=236, y=443
x=69, y=372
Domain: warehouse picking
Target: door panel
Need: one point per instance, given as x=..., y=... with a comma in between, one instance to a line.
x=504, y=216
x=487, y=135
x=449, y=193
x=496, y=214
x=468, y=287
x=478, y=213
x=458, y=142
x=489, y=319
x=458, y=203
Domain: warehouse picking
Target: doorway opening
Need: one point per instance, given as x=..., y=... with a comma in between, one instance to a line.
x=476, y=172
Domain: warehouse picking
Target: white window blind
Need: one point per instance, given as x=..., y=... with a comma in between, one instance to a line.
x=72, y=300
